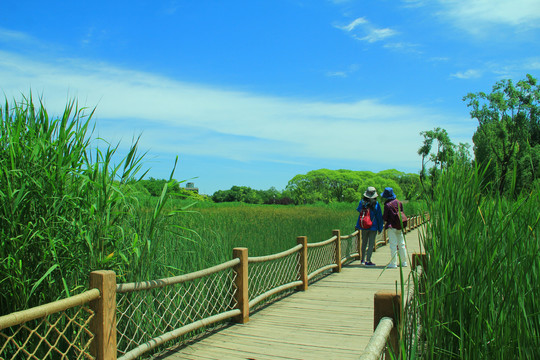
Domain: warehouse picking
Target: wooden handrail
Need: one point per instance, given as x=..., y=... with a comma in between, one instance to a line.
x=388, y=305
x=260, y=259
x=322, y=243
x=152, y=284
x=377, y=343
x=162, y=339
x=40, y=311
x=102, y=296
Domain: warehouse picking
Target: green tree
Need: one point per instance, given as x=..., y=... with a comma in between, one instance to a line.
x=508, y=133
x=340, y=185
x=440, y=158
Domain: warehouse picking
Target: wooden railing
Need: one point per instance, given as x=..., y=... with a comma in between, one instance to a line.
x=128, y=320
x=70, y=328
x=391, y=316
x=412, y=223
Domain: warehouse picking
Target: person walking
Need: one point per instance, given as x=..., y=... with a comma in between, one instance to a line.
x=393, y=208
x=369, y=202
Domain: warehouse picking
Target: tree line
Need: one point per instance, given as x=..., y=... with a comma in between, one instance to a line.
x=321, y=185
x=507, y=138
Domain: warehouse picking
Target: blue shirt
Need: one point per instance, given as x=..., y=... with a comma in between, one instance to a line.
x=375, y=215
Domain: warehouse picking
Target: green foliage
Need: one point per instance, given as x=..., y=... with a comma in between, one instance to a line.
x=65, y=208
x=479, y=296
x=348, y=186
x=263, y=229
x=248, y=195
x=508, y=134
x=154, y=187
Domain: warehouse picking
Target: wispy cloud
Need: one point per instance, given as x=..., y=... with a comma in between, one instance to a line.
x=468, y=74
x=362, y=29
x=354, y=24
x=503, y=69
x=375, y=35
x=186, y=118
x=13, y=36
x=474, y=16
x=403, y=47
x=344, y=73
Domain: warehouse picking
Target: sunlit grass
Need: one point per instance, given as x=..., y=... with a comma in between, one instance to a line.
x=481, y=285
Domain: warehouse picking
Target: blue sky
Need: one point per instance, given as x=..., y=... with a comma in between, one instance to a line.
x=253, y=93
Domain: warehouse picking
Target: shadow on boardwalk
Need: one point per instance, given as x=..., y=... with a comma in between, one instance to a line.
x=333, y=319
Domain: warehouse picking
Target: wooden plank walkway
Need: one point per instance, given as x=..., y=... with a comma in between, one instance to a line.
x=333, y=319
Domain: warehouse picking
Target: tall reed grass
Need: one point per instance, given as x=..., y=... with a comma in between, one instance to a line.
x=481, y=286
x=206, y=234
x=65, y=208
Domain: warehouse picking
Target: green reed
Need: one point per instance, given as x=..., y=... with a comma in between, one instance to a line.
x=481, y=285
x=65, y=207
x=206, y=234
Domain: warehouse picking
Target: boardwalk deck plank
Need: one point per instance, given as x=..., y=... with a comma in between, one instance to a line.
x=333, y=319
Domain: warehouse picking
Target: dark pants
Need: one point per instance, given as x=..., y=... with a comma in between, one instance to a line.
x=368, y=240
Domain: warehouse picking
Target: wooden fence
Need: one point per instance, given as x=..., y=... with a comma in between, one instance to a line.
x=124, y=321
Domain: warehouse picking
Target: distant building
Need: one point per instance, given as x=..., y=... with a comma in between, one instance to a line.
x=191, y=187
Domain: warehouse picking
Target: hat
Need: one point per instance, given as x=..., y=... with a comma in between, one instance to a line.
x=388, y=193
x=371, y=192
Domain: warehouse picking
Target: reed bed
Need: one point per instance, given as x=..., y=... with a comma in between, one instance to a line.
x=205, y=235
x=479, y=296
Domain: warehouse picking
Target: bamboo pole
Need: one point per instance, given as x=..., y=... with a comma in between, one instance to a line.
x=337, y=234
x=359, y=244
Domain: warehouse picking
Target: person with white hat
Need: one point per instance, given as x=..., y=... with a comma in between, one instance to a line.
x=370, y=222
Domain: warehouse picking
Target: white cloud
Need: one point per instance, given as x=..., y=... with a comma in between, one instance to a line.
x=344, y=73
x=13, y=36
x=503, y=69
x=404, y=47
x=468, y=74
x=178, y=117
x=375, y=35
x=475, y=15
x=355, y=23
x=341, y=74
x=362, y=29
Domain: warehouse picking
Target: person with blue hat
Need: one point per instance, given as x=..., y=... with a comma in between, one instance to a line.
x=393, y=211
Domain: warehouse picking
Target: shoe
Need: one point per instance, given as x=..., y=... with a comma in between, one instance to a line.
x=369, y=263
x=404, y=264
x=391, y=266
x=362, y=262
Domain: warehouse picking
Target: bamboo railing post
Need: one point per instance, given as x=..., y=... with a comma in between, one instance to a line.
x=388, y=304
x=359, y=244
x=241, y=282
x=419, y=259
x=337, y=234
x=303, y=263
x=103, y=324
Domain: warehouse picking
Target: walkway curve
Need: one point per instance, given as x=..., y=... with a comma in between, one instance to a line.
x=333, y=319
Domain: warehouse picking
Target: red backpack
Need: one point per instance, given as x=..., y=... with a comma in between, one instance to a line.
x=365, y=219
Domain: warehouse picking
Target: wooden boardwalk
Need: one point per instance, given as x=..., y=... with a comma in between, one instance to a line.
x=333, y=319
